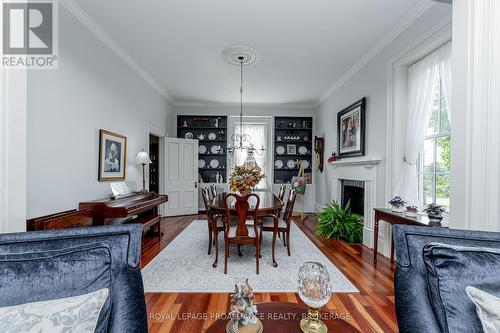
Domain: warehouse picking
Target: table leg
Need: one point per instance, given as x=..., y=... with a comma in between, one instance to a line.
x=275, y=233
x=375, y=240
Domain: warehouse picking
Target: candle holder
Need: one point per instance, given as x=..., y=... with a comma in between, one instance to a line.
x=315, y=290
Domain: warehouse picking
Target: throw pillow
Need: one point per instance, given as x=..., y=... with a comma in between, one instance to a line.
x=487, y=308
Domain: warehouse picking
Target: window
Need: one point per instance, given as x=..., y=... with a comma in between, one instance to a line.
x=434, y=161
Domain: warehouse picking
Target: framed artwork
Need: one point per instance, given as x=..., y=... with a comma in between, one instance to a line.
x=112, y=156
x=319, y=148
x=351, y=130
x=291, y=149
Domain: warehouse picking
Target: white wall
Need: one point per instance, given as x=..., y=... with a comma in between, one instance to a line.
x=370, y=82
x=92, y=89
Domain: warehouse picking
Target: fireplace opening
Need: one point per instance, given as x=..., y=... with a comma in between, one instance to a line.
x=355, y=191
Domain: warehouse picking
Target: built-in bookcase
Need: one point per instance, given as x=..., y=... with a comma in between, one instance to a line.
x=293, y=139
x=211, y=132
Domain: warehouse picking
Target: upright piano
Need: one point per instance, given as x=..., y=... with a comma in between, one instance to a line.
x=129, y=208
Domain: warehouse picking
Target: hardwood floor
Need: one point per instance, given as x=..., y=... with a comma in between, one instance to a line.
x=370, y=310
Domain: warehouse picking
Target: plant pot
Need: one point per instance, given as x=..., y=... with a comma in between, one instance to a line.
x=435, y=220
x=399, y=209
x=238, y=328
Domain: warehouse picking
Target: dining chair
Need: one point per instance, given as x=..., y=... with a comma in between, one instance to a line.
x=281, y=193
x=215, y=221
x=284, y=223
x=241, y=234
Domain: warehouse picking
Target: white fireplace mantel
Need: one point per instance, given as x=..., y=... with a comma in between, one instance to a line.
x=366, y=161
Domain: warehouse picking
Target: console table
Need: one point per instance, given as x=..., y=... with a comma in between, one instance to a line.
x=387, y=215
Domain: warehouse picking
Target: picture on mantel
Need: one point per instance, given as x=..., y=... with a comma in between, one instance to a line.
x=351, y=130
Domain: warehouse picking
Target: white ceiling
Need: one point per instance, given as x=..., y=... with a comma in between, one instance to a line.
x=305, y=46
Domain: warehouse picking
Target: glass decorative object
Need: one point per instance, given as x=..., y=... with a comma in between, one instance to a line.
x=315, y=290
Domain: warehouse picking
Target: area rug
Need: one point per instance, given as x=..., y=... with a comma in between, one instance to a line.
x=184, y=266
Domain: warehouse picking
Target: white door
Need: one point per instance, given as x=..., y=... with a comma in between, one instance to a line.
x=181, y=179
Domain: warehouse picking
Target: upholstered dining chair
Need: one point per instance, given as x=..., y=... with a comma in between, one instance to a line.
x=283, y=223
x=215, y=221
x=241, y=234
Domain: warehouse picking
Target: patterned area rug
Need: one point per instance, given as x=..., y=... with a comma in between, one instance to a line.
x=184, y=266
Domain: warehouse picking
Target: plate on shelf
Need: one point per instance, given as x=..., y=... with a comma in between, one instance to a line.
x=278, y=164
x=214, y=149
x=202, y=149
x=214, y=164
x=280, y=150
x=201, y=163
x=305, y=164
x=189, y=135
x=212, y=136
x=302, y=150
x=291, y=164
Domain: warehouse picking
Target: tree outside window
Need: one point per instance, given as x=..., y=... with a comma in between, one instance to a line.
x=434, y=162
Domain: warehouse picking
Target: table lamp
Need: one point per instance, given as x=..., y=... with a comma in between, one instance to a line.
x=143, y=159
x=315, y=290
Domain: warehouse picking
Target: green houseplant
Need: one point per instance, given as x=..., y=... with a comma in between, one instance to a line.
x=340, y=223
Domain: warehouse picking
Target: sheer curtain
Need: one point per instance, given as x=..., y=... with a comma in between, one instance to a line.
x=422, y=79
x=258, y=134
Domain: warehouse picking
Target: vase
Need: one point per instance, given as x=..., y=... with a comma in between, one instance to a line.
x=245, y=192
x=234, y=327
x=435, y=220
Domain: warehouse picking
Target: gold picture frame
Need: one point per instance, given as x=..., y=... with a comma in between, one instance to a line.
x=112, y=156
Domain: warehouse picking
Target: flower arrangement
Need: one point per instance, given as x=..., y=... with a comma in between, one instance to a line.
x=243, y=311
x=397, y=202
x=243, y=179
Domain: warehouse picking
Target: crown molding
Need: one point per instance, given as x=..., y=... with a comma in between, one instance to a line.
x=415, y=13
x=90, y=24
x=246, y=105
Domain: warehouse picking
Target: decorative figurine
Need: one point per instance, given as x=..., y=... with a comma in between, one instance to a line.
x=217, y=122
x=243, y=311
x=185, y=124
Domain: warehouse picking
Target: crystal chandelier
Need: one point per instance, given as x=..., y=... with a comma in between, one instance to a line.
x=239, y=139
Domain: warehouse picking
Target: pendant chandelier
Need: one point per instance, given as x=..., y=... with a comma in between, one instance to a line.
x=238, y=140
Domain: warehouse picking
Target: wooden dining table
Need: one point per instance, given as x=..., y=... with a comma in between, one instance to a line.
x=269, y=205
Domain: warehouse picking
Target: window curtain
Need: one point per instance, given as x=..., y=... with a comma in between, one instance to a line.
x=423, y=77
x=258, y=135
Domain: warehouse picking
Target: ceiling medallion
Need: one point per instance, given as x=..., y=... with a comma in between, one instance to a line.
x=233, y=54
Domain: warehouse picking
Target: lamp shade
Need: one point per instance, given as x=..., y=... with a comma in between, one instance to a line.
x=143, y=158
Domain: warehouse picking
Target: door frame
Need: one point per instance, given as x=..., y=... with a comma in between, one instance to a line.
x=161, y=161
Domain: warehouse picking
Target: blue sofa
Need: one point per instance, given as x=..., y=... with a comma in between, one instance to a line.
x=44, y=265
x=440, y=261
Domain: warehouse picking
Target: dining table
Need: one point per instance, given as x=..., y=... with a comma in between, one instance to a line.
x=269, y=205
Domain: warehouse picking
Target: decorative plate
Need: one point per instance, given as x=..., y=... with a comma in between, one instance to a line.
x=214, y=149
x=212, y=136
x=201, y=163
x=305, y=164
x=202, y=149
x=189, y=135
x=278, y=164
x=291, y=164
x=214, y=164
x=280, y=150
x=302, y=150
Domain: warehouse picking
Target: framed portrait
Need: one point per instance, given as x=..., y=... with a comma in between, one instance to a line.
x=112, y=156
x=291, y=149
x=351, y=130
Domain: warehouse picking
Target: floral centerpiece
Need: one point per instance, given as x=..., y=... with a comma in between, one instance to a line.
x=398, y=204
x=243, y=311
x=244, y=178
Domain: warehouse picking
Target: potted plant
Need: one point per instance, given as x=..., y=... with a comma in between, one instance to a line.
x=244, y=178
x=340, y=223
x=397, y=204
x=411, y=211
x=435, y=213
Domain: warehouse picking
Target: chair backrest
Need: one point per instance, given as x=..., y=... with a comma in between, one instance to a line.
x=213, y=189
x=205, y=194
x=281, y=193
x=289, y=205
x=242, y=206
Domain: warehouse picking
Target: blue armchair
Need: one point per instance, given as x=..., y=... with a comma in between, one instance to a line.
x=44, y=265
x=460, y=258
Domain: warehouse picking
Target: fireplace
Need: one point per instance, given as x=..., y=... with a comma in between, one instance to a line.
x=353, y=190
